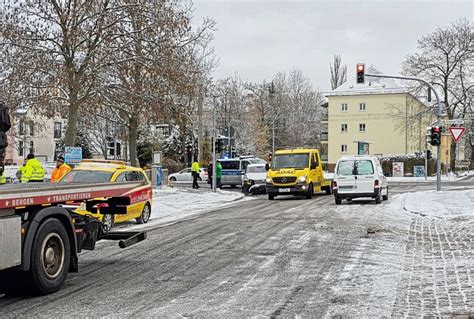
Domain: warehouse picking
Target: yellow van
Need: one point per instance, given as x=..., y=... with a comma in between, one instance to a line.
x=296, y=172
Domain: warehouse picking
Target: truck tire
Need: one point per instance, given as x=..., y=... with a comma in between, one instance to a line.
x=14, y=283
x=145, y=216
x=309, y=193
x=50, y=258
x=328, y=190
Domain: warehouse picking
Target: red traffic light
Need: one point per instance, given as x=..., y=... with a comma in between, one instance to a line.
x=360, y=72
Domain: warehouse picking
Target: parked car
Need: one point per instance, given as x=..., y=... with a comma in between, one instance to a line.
x=359, y=176
x=185, y=175
x=103, y=171
x=254, y=179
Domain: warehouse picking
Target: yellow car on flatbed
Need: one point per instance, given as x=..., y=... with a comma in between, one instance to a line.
x=102, y=171
x=296, y=172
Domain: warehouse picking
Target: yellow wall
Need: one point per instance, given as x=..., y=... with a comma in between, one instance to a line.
x=395, y=124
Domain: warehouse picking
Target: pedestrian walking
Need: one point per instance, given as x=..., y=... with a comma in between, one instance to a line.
x=195, y=174
x=60, y=170
x=33, y=171
x=219, y=174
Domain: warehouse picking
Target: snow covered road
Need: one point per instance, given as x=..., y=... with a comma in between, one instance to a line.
x=410, y=256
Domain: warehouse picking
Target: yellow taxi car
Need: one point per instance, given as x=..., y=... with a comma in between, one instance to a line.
x=102, y=171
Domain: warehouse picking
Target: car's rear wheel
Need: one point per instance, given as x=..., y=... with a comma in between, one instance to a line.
x=385, y=197
x=145, y=216
x=173, y=179
x=108, y=222
x=378, y=198
x=338, y=200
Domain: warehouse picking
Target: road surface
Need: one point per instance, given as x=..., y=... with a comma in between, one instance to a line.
x=287, y=257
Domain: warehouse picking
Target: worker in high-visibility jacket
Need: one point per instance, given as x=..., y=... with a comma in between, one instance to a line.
x=33, y=171
x=195, y=174
x=3, y=179
x=60, y=170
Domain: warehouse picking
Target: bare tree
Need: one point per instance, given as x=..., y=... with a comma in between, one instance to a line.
x=443, y=60
x=338, y=72
x=66, y=44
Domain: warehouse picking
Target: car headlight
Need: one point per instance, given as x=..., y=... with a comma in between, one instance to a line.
x=268, y=180
x=302, y=179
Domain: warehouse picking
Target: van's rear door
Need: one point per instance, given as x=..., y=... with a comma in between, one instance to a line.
x=346, y=180
x=364, y=170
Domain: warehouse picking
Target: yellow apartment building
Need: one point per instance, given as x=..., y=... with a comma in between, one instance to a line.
x=379, y=112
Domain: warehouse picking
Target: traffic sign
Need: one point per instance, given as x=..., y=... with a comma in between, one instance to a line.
x=72, y=155
x=456, y=133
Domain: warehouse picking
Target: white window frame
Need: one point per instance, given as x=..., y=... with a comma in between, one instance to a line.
x=344, y=148
x=344, y=107
x=362, y=107
x=344, y=125
x=364, y=127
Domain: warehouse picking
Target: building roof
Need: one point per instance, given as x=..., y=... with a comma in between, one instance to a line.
x=372, y=85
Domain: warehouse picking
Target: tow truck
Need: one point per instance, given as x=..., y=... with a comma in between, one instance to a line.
x=41, y=236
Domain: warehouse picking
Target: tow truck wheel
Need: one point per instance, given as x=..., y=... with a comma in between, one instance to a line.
x=50, y=257
x=145, y=216
x=309, y=193
x=107, y=223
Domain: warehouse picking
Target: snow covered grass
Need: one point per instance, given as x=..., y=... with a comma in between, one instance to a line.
x=443, y=204
x=173, y=204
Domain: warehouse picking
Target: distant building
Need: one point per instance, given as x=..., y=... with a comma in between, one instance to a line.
x=380, y=113
x=33, y=134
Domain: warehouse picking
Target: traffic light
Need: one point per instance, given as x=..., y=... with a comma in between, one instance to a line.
x=435, y=136
x=428, y=135
x=429, y=155
x=360, y=71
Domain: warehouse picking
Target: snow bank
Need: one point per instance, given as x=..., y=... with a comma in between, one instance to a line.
x=173, y=204
x=441, y=204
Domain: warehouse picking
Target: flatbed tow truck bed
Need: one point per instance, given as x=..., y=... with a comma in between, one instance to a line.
x=40, y=240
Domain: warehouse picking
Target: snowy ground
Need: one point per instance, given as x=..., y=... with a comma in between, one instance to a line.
x=450, y=177
x=174, y=204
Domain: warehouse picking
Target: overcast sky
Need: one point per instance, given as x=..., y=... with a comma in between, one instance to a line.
x=258, y=38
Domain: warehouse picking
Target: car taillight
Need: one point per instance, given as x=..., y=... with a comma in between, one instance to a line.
x=334, y=185
x=376, y=184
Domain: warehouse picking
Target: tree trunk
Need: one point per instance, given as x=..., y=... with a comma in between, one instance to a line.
x=132, y=141
x=70, y=136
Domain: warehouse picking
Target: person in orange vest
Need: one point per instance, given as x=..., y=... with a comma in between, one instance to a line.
x=60, y=170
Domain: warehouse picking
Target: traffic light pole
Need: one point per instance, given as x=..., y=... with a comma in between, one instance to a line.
x=438, y=159
x=214, y=139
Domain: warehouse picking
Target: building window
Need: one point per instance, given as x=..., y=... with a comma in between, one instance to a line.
x=361, y=106
x=32, y=147
x=361, y=127
x=32, y=129
x=20, y=148
x=21, y=127
x=343, y=148
x=344, y=107
x=343, y=127
x=58, y=129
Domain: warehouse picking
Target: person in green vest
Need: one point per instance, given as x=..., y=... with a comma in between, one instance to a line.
x=3, y=179
x=195, y=174
x=33, y=171
x=218, y=175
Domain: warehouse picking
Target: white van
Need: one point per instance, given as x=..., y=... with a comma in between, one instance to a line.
x=233, y=169
x=359, y=176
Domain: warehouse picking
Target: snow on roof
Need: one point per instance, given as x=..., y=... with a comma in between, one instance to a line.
x=372, y=85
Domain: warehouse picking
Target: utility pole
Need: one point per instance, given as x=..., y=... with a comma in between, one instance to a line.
x=439, y=114
x=214, y=177
x=199, y=111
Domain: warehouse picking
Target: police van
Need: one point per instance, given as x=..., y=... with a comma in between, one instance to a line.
x=233, y=169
